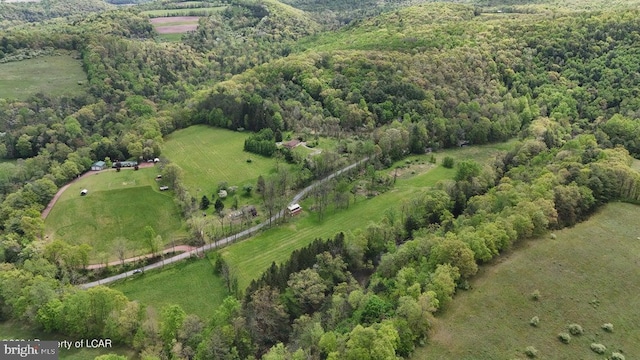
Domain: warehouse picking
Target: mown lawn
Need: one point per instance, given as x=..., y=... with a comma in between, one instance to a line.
x=14, y=331
x=190, y=284
x=589, y=275
x=53, y=75
x=119, y=204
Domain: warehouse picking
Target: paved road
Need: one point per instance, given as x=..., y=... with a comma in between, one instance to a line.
x=225, y=241
x=173, y=249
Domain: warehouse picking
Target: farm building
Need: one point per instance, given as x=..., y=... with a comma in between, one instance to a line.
x=294, y=209
x=98, y=165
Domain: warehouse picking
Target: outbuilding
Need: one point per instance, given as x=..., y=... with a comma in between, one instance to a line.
x=294, y=209
x=98, y=165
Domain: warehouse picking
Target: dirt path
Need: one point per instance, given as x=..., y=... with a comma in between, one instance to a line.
x=173, y=249
x=53, y=201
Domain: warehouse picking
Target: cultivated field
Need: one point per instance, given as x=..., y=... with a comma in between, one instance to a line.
x=52, y=75
x=175, y=25
x=588, y=275
x=190, y=284
x=210, y=155
x=119, y=204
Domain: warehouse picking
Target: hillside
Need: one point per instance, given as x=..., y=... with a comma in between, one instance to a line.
x=573, y=274
x=12, y=13
x=396, y=91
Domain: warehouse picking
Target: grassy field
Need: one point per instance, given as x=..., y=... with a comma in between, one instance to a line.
x=13, y=331
x=51, y=75
x=119, y=204
x=190, y=284
x=251, y=257
x=210, y=155
x=589, y=275
x=170, y=37
x=183, y=12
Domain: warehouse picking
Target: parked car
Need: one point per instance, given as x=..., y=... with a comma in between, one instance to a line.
x=137, y=271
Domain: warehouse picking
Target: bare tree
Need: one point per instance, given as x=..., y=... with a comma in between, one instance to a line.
x=120, y=248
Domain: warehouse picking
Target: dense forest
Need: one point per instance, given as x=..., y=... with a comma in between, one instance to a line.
x=435, y=76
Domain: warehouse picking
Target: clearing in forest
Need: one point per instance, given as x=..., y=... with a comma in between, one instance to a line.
x=53, y=75
x=250, y=257
x=588, y=275
x=117, y=205
x=209, y=156
x=193, y=277
x=175, y=24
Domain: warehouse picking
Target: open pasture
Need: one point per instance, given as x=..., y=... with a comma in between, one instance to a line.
x=249, y=258
x=53, y=75
x=588, y=275
x=118, y=204
x=191, y=284
x=209, y=156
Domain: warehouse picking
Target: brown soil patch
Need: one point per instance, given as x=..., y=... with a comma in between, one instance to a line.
x=176, y=29
x=174, y=19
x=409, y=170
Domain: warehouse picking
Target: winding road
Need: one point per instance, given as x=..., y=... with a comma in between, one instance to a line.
x=225, y=241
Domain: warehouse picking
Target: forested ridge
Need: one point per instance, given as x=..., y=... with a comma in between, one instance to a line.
x=431, y=76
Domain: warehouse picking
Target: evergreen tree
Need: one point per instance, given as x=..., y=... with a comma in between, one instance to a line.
x=204, y=203
x=219, y=205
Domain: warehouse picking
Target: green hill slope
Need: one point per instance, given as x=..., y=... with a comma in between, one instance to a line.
x=579, y=278
x=119, y=204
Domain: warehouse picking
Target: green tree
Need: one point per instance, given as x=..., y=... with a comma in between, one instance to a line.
x=219, y=205
x=308, y=288
x=455, y=253
x=443, y=283
x=204, y=203
x=171, y=322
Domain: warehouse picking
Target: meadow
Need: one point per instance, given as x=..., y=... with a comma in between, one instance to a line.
x=588, y=275
x=181, y=283
x=54, y=75
x=119, y=204
x=251, y=257
x=209, y=156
